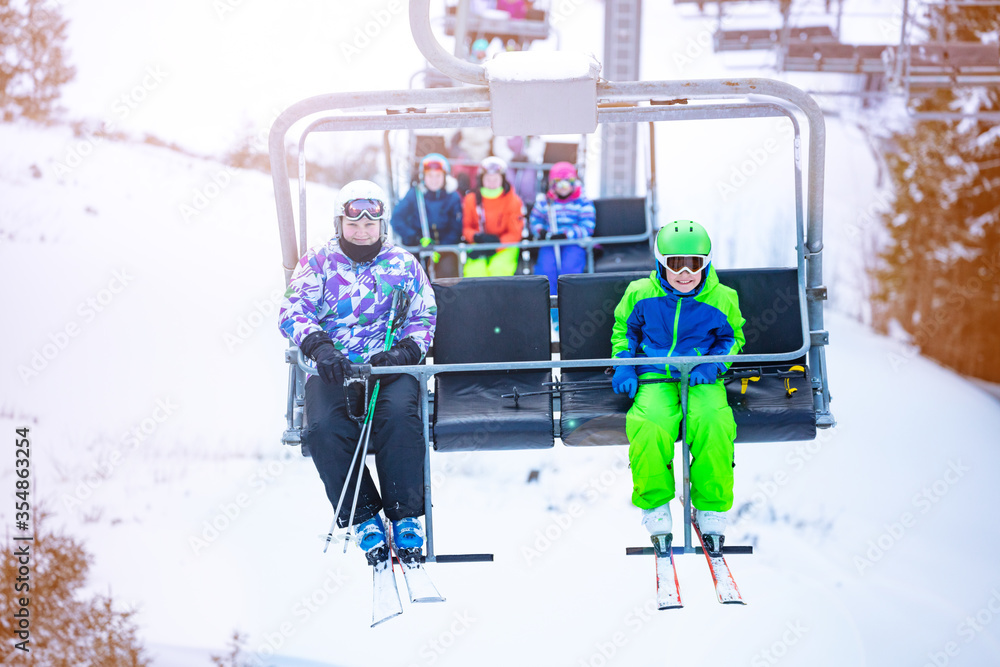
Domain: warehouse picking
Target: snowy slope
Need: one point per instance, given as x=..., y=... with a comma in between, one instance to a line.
x=207, y=525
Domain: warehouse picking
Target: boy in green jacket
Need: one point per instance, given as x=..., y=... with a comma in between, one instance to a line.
x=680, y=310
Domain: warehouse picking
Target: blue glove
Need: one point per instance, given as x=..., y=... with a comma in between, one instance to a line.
x=625, y=381
x=703, y=374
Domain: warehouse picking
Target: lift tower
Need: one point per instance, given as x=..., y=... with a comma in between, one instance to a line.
x=621, y=63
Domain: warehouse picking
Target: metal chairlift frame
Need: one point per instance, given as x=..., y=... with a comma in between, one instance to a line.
x=618, y=102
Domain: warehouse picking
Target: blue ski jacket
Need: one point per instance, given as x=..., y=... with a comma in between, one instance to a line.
x=653, y=320
x=444, y=217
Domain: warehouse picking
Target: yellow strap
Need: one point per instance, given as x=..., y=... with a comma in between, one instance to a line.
x=745, y=381
x=789, y=389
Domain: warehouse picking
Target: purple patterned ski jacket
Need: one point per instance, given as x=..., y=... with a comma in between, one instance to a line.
x=351, y=302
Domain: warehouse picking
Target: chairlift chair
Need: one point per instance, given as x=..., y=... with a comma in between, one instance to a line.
x=476, y=105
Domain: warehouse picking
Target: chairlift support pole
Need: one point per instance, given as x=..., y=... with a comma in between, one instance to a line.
x=621, y=63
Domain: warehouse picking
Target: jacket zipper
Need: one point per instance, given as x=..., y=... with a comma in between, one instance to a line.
x=677, y=317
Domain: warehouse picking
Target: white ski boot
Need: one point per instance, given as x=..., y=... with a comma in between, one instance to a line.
x=713, y=528
x=711, y=523
x=659, y=524
x=657, y=520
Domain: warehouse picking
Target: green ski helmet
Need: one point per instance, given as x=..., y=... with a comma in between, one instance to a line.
x=682, y=245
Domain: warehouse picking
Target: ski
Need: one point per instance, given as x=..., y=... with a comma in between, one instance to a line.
x=725, y=585
x=668, y=588
x=385, y=595
x=418, y=583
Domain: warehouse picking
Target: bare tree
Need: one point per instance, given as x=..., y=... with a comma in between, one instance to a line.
x=33, y=58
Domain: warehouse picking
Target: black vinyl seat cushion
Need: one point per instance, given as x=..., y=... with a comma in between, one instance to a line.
x=471, y=416
x=491, y=320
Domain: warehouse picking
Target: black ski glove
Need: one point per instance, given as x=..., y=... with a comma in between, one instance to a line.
x=482, y=237
x=330, y=362
x=541, y=234
x=557, y=236
x=403, y=353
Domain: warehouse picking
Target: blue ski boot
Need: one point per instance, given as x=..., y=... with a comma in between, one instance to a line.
x=371, y=538
x=408, y=538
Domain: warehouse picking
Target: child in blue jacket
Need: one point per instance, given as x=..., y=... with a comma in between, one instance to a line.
x=429, y=215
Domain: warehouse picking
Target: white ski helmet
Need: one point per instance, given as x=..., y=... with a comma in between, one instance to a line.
x=375, y=205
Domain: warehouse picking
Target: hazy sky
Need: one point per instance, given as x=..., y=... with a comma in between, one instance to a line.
x=205, y=72
x=201, y=71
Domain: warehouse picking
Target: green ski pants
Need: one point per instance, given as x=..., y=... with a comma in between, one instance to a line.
x=653, y=425
x=501, y=263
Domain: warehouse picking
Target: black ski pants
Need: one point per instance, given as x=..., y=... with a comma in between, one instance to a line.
x=397, y=441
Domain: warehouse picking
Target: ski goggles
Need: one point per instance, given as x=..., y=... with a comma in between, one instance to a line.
x=493, y=166
x=435, y=164
x=564, y=183
x=677, y=264
x=374, y=209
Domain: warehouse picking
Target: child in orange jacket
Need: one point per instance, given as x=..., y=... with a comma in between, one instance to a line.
x=492, y=213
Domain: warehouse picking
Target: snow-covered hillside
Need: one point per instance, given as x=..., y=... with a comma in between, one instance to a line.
x=154, y=390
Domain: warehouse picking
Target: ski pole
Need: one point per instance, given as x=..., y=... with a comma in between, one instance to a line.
x=366, y=432
x=343, y=492
x=553, y=228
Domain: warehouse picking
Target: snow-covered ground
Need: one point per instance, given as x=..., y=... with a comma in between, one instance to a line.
x=139, y=288
x=142, y=352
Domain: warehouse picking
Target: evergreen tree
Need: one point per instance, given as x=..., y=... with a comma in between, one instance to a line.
x=940, y=276
x=33, y=59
